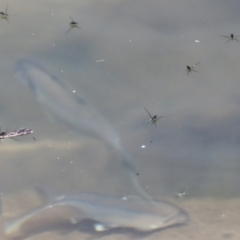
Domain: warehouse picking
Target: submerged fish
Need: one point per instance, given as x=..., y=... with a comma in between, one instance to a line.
x=108, y=213
x=68, y=107
x=63, y=103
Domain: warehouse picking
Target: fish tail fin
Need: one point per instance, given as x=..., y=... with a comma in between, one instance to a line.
x=135, y=181
x=44, y=195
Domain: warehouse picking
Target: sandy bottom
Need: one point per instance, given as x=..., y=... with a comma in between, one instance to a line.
x=208, y=219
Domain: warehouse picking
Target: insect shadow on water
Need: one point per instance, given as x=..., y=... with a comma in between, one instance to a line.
x=72, y=25
x=231, y=37
x=190, y=68
x=4, y=15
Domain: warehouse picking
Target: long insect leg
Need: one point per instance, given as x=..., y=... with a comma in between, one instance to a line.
x=148, y=113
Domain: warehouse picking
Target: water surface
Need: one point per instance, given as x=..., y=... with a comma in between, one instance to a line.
x=126, y=57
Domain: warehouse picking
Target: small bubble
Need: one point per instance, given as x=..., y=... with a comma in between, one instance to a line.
x=143, y=146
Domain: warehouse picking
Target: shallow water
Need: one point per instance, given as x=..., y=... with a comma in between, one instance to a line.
x=129, y=56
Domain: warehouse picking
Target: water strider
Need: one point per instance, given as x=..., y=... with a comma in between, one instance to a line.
x=4, y=15
x=72, y=24
x=191, y=68
x=231, y=37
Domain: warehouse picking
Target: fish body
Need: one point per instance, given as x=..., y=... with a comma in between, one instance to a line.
x=109, y=212
x=58, y=98
x=64, y=104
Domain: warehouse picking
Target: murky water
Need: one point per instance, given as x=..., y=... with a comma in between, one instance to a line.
x=127, y=56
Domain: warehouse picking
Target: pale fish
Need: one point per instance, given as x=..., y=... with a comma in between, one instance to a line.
x=107, y=212
x=68, y=107
x=63, y=103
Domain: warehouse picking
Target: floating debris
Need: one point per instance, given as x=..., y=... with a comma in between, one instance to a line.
x=181, y=194
x=12, y=134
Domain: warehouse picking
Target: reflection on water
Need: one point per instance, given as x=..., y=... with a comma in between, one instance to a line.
x=143, y=44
